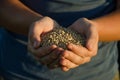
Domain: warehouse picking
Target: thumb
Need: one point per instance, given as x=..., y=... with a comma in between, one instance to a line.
x=36, y=41
x=92, y=41
x=92, y=37
x=34, y=36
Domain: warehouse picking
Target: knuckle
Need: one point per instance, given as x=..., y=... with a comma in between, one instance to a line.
x=68, y=64
x=78, y=60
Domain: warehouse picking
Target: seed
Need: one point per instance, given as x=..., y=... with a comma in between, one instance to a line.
x=61, y=37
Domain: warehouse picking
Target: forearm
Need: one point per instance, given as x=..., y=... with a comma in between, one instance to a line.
x=109, y=26
x=16, y=17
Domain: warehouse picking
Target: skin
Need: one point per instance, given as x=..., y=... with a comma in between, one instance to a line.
x=16, y=17
x=33, y=25
x=78, y=55
x=108, y=28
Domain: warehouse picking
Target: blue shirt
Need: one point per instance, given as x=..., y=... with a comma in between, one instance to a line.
x=17, y=64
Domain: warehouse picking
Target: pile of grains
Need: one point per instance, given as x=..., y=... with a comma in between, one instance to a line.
x=61, y=37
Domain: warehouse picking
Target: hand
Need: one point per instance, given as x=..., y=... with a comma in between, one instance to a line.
x=37, y=29
x=77, y=55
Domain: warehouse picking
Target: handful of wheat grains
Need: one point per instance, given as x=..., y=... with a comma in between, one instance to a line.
x=61, y=37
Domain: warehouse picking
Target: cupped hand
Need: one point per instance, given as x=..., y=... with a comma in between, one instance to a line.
x=44, y=54
x=77, y=54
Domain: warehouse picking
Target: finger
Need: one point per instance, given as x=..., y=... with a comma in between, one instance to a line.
x=76, y=59
x=65, y=68
x=66, y=63
x=78, y=25
x=79, y=50
x=34, y=35
x=42, y=51
x=92, y=42
x=86, y=60
x=92, y=36
x=54, y=64
x=47, y=59
x=34, y=41
x=92, y=47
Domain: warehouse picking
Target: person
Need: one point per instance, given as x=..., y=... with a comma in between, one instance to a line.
x=95, y=61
